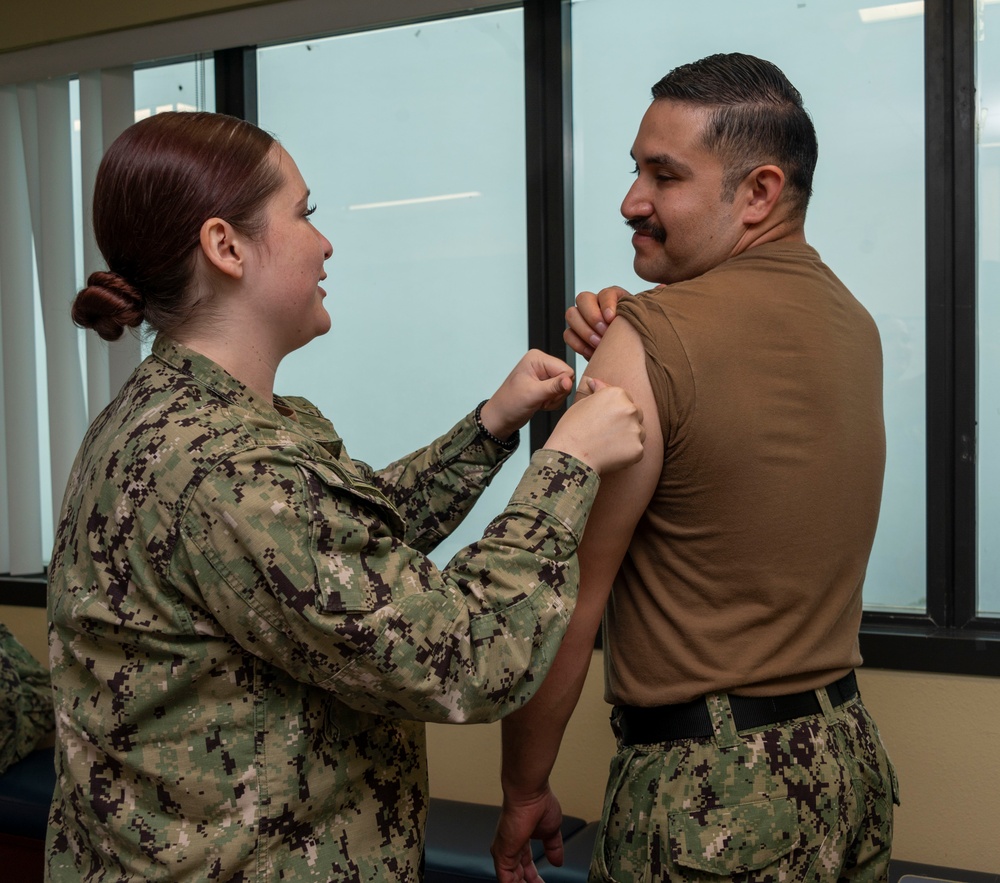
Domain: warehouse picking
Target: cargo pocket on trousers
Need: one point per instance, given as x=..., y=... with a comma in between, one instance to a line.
x=736, y=839
x=629, y=864
x=894, y=780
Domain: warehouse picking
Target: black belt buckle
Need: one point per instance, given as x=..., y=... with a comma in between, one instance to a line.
x=691, y=720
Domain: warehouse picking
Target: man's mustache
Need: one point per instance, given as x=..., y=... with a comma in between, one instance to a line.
x=647, y=228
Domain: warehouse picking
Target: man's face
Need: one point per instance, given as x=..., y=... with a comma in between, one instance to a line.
x=682, y=225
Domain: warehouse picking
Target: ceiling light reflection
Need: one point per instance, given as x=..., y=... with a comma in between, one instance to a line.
x=892, y=11
x=419, y=199
x=897, y=10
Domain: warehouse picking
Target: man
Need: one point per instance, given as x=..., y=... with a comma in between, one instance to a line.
x=737, y=546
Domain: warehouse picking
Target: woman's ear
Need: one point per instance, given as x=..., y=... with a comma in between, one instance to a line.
x=765, y=184
x=223, y=246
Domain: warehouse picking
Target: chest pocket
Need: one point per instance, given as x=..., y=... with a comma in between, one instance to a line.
x=350, y=524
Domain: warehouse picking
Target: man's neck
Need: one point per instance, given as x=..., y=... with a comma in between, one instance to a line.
x=790, y=230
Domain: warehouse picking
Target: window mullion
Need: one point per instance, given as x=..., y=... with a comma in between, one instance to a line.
x=549, y=174
x=940, y=256
x=236, y=82
x=963, y=189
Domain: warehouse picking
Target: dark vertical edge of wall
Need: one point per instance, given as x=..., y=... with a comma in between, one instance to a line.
x=940, y=254
x=963, y=109
x=236, y=82
x=549, y=179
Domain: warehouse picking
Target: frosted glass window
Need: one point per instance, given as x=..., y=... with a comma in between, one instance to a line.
x=179, y=86
x=187, y=85
x=862, y=82
x=411, y=140
x=182, y=85
x=988, y=154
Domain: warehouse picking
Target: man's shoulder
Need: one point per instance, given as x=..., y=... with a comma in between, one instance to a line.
x=796, y=262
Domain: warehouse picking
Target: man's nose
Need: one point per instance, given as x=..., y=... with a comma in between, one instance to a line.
x=635, y=205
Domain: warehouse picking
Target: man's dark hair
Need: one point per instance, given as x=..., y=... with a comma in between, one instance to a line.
x=756, y=118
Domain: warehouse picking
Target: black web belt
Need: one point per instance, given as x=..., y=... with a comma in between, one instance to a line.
x=691, y=720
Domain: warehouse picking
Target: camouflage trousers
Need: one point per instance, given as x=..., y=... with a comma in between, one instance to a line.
x=808, y=800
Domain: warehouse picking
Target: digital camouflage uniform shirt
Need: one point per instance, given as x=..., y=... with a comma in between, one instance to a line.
x=25, y=701
x=245, y=630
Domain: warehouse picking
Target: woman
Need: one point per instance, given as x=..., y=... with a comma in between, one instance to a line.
x=245, y=628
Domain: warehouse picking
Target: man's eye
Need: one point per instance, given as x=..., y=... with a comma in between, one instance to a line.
x=635, y=170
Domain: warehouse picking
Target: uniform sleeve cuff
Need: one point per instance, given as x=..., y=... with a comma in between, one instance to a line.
x=561, y=486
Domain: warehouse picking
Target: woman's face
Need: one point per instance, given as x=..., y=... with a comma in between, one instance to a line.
x=287, y=263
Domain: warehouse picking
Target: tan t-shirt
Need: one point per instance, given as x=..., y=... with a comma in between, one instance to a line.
x=745, y=572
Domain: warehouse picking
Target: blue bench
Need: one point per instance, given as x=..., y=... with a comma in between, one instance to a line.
x=458, y=833
x=458, y=837
x=576, y=857
x=25, y=794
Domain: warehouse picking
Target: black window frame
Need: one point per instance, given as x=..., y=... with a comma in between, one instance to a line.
x=950, y=637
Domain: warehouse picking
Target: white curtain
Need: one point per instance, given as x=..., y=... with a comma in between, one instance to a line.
x=23, y=519
x=55, y=380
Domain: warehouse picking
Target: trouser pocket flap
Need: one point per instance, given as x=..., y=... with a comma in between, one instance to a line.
x=733, y=839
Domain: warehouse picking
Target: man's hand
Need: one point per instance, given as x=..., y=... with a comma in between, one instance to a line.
x=520, y=821
x=589, y=319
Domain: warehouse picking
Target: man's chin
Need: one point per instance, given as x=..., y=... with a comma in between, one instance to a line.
x=649, y=273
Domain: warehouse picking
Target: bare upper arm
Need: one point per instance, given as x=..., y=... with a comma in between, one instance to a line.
x=531, y=735
x=620, y=360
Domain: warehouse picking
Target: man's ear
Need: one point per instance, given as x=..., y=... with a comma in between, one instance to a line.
x=764, y=186
x=223, y=246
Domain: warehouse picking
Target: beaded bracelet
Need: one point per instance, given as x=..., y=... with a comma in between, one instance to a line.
x=508, y=445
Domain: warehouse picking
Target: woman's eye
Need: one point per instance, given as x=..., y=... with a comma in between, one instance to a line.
x=310, y=210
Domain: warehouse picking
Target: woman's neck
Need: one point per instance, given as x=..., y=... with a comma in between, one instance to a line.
x=238, y=352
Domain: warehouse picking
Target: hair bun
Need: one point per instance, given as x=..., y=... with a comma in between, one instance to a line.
x=116, y=284
x=108, y=304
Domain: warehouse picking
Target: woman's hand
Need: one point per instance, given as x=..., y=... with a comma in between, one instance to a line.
x=603, y=429
x=538, y=382
x=589, y=319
